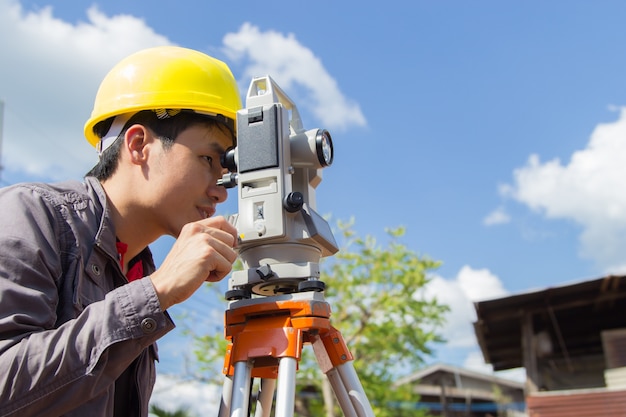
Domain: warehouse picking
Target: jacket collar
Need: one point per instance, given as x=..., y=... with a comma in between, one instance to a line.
x=105, y=237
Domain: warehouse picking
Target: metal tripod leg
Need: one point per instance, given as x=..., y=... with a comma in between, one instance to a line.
x=335, y=361
x=341, y=393
x=227, y=394
x=236, y=404
x=240, y=393
x=286, y=388
x=352, y=385
x=265, y=398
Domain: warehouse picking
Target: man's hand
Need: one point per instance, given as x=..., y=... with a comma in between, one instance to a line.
x=203, y=252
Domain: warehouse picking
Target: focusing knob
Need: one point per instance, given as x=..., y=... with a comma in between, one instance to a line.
x=293, y=201
x=228, y=180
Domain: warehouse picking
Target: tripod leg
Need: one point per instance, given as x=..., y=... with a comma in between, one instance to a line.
x=353, y=385
x=286, y=389
x=266, y=397
x=335, y=361
x=242, y=381
x=343, y=397
x=227, y=395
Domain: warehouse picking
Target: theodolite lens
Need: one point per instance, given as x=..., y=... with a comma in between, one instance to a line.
x=324, y=147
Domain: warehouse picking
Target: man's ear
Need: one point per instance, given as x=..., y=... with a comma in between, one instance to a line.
x=136, y=143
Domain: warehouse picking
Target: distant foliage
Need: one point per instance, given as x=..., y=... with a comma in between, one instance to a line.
x=160, y=412
x=376, y=295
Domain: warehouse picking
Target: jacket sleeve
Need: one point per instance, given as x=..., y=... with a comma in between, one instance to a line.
x=49, y=369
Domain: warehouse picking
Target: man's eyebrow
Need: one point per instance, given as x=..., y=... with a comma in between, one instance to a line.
x=216, y=147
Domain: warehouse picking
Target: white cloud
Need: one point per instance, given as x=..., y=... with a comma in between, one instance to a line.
x=52, y=68
x=172, y=393
x=291, y=64
x=498, y=216
x=589, y=189
x=476, y=362
x=459, y=294
x=479, y=284
x=49, y=75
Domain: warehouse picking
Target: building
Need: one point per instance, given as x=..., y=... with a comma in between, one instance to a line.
x=570, y=339
x=456, y=392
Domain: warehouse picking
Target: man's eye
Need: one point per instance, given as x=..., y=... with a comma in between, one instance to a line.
x=209, y=159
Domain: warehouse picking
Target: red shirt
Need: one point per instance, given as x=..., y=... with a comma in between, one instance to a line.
x=135, y=269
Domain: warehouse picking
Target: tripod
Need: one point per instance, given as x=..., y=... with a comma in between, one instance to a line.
x=266, y=338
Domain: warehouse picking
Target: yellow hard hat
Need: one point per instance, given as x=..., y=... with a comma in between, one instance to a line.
x=167, y=77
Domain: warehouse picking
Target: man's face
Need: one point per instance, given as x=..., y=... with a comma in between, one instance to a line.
x=183, y=178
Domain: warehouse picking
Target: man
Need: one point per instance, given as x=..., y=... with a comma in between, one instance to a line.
x=81, y=304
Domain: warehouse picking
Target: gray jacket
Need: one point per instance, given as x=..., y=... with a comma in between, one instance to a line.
x=76, y=339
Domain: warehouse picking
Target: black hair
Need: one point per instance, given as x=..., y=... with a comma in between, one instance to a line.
x=166, y=129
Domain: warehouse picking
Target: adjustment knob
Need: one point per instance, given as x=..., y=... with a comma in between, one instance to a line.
x=293, y=201
x=265, y=272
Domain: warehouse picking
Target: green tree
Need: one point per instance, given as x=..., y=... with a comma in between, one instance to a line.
x=161, y=412
x=376, y=296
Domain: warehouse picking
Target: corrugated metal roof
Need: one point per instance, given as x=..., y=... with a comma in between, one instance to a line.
x=587, y=403
x=455, y=370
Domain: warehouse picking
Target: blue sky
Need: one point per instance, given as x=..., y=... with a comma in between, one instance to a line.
x=494, y=131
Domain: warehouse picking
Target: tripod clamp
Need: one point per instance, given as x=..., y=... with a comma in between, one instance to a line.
x=264, y=331
x=266, y=336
